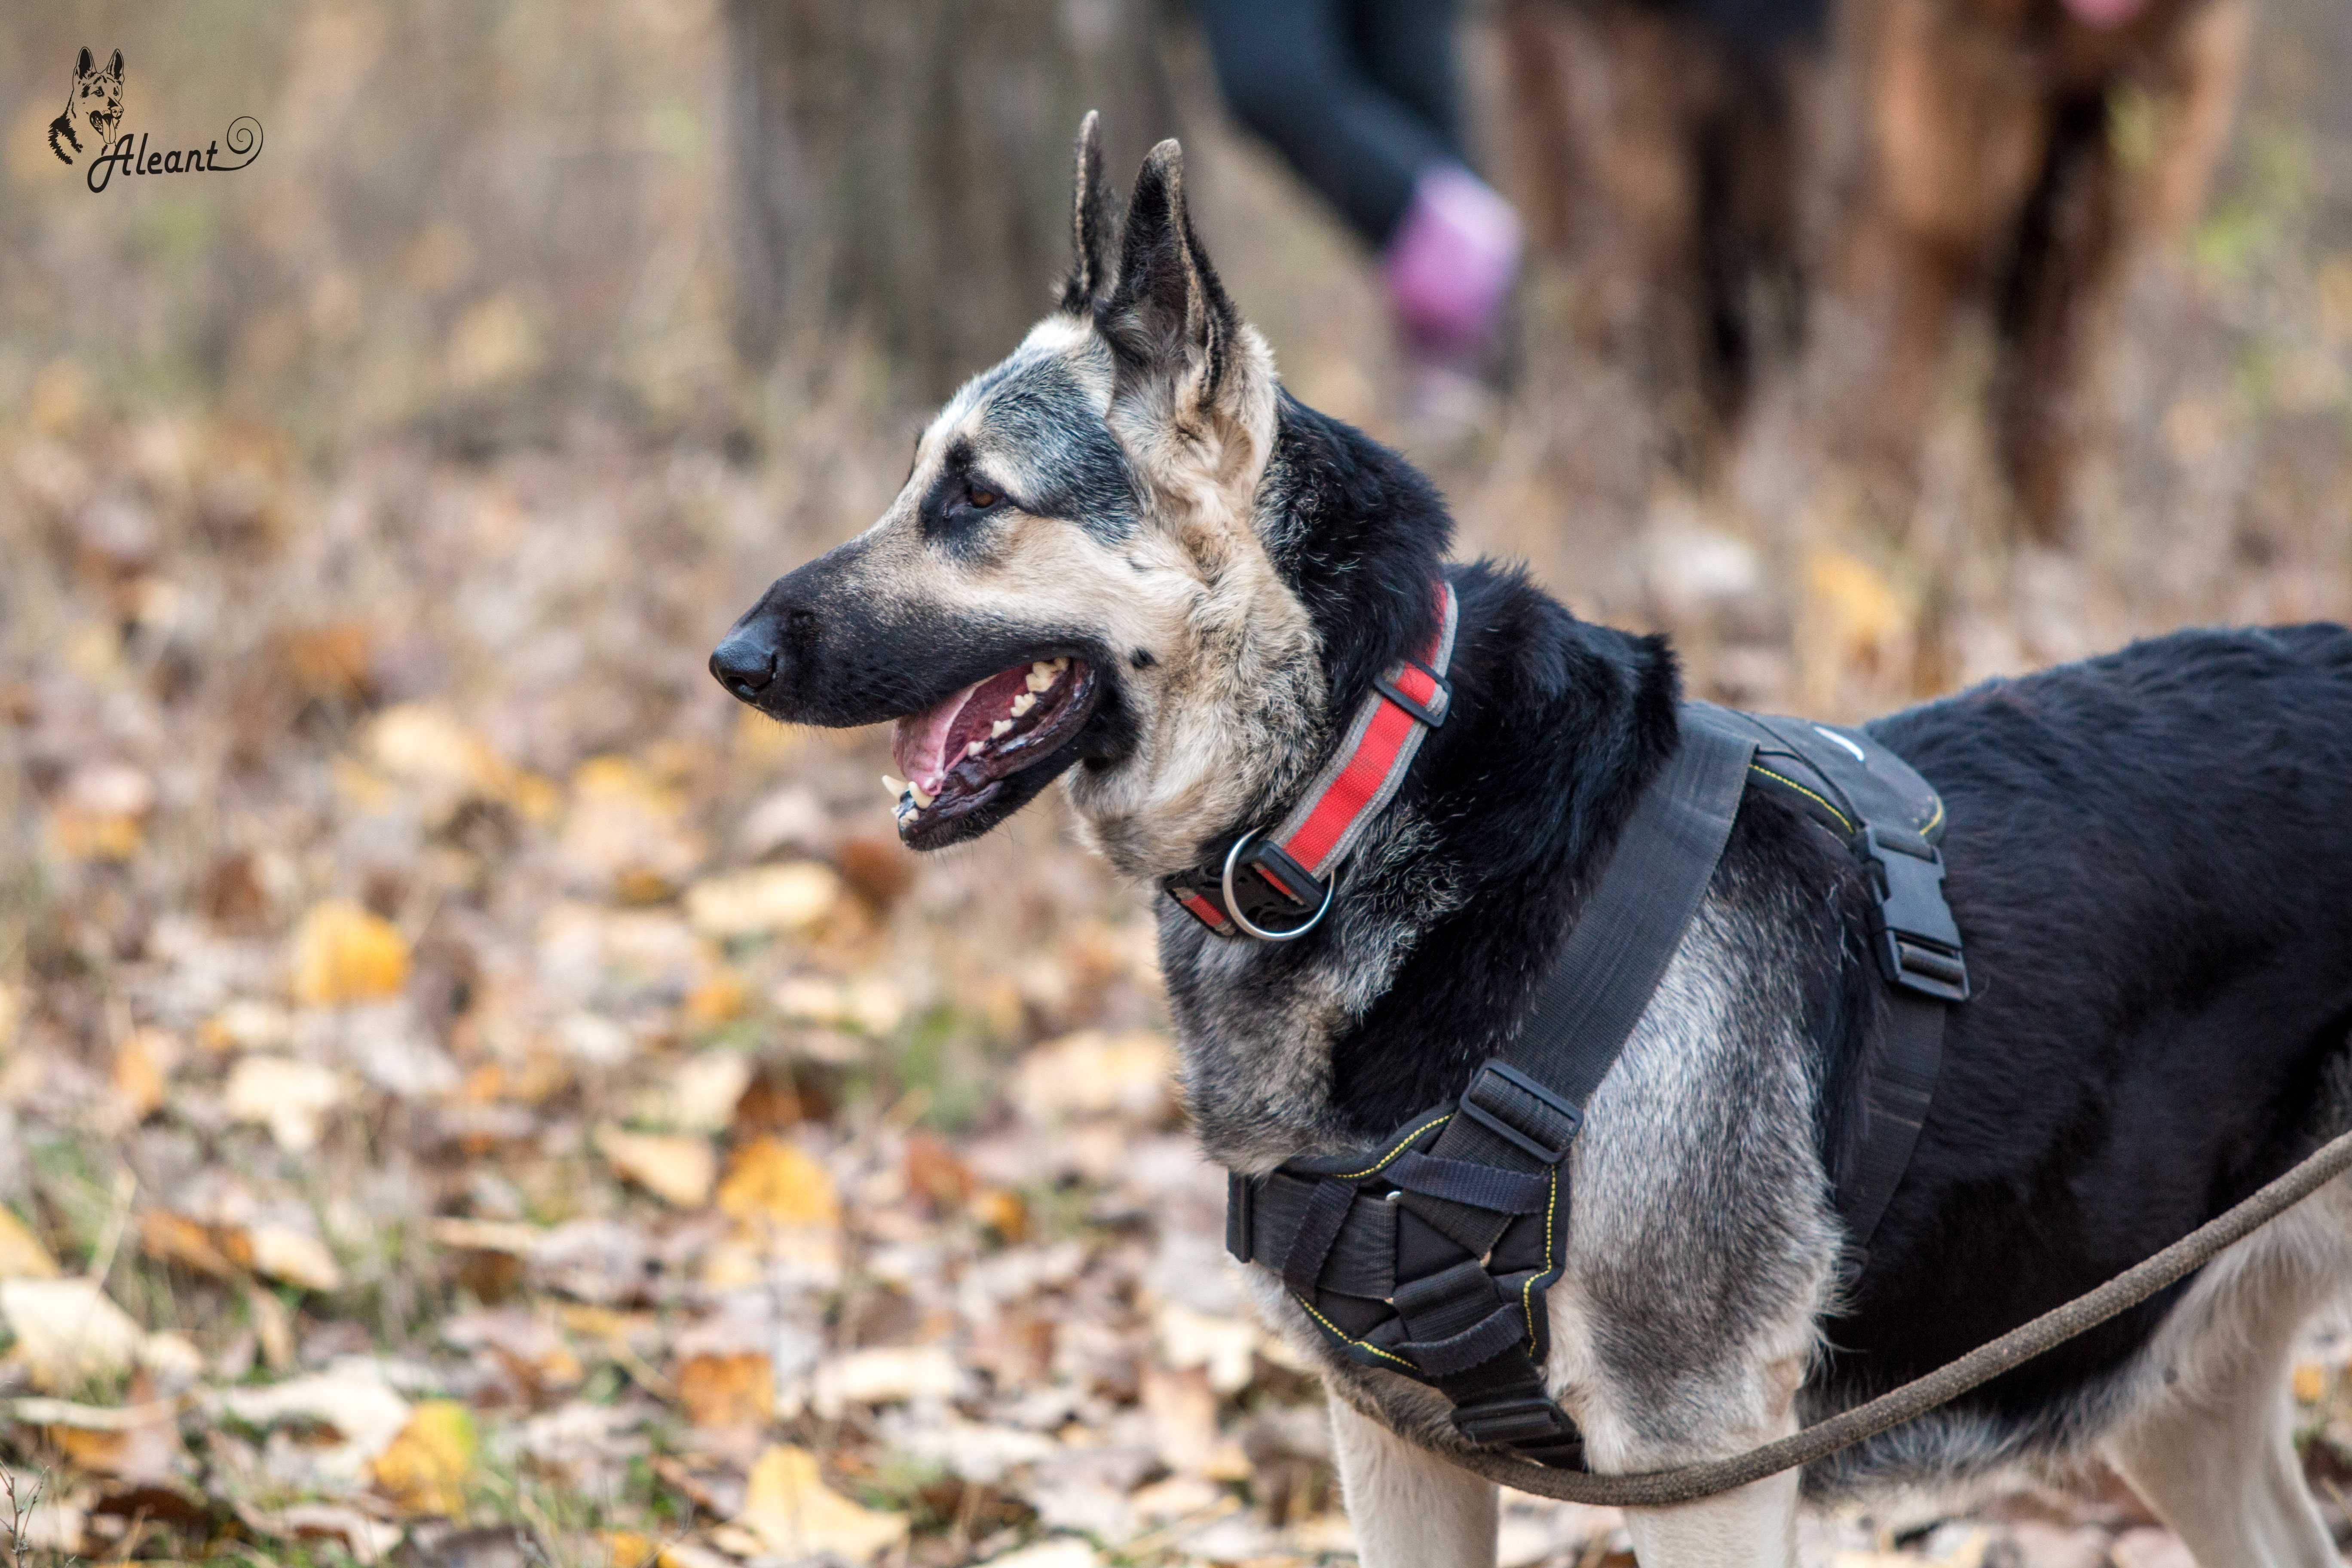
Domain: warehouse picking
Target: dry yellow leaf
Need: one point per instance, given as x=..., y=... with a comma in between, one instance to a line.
x=22, y=1256
x=763, y=901
x=424, y=1469
x=770, y=1181
x=142, y=1065
x=795, y=1515
x=2310, y=1382
x=68, y=1331
x=1091, y=1073
x=290, y=1097
x=344, y=954
x=101, y=813
x=674, y=1168
x=285, y=1253
x=737, y=1390
x=720, y=999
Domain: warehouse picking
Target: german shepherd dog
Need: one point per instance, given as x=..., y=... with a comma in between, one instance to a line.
x=95, y=103
x=1127, y=558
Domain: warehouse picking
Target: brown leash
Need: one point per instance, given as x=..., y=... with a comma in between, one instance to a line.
x=1687, y=1483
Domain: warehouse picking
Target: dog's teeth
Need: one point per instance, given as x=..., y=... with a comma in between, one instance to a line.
x=975, y=748
x=997, y=730
x=922, y=797
x=1022, y=703
x=896, y=786
x=1040, y=677
x=1060, y=665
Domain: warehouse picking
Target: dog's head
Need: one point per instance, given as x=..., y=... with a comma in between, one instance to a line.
x=98, y=94
x=1078, y=573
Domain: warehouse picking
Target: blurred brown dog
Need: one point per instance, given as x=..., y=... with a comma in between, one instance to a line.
x=1717, y=165
x=2020, y=151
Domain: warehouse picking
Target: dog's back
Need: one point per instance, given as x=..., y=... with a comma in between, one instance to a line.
x=2150, y=855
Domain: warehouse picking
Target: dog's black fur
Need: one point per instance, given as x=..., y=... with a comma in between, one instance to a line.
x=2148, y=856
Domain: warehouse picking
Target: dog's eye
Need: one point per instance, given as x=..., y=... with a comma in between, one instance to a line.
x=981, y=498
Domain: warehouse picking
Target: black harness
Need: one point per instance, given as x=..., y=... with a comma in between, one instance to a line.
x=1428, y=1254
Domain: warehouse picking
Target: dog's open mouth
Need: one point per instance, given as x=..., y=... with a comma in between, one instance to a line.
x=955, y=754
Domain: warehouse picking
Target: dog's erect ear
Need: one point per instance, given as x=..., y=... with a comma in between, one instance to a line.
x=114, y=66
x=1168, y=312
x=85, y=65
x=1094, y=212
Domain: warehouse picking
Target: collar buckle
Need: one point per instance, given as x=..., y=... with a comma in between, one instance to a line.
x=1278, y=889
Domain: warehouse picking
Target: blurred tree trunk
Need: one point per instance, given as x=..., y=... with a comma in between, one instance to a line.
x=906, y=165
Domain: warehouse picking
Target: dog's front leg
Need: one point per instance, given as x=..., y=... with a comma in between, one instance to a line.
x=1754, y=1527
x=1410, y=1508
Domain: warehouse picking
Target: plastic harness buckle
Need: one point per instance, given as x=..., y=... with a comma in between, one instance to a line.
x=1911, y=926
x=1521, y=1418
x=1521, y=1111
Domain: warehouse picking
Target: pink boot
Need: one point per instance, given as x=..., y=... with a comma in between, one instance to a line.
x=1451, y=263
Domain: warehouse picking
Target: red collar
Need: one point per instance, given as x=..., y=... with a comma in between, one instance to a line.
x=1275, y=885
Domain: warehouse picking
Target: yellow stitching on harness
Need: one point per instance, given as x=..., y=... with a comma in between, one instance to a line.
x=1933, y=817
x=1341, y=1334
x=1834, y=811
x=1528, y=1289
x=1401, y=1148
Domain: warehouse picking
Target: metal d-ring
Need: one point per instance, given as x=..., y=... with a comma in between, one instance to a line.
x=1234, y=908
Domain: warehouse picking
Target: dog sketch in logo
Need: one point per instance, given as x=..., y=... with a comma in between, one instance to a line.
x=95, y=104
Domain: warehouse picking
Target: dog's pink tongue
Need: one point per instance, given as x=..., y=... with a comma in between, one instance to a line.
x=919, y=744
x=2104, y=13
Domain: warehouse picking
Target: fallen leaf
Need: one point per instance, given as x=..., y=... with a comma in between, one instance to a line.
x=101, y=813
x=737, y=1390
x=283, y=1253
x=1061, y=1552
x=763, y=901
x=366, y=1413
x=1091, y=1073
x=773, y=1181
x=332, y=661
x=344, y=954
x=2310, y=1382
x=1182, y=1412
x=933, y=1171
x=367, y=1540
x=702, y=1094
x=68, y=1333
x=290, y=1097
x=884, y=1374
x=1005, y=1213
x=1224, y=1346
x=795, y=1515
x=720, y=998
x=22, y=1256
x=142, y=1066
x=423, y=1469
x=677, y=1168
x=624, y=830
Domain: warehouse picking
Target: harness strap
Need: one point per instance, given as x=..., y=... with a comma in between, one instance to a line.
x=1283, y=875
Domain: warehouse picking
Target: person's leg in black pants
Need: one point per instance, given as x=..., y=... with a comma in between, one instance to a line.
x=1362, y=97
x=1333, y=85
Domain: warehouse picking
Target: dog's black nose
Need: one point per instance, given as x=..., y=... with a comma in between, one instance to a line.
x=744, y=665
